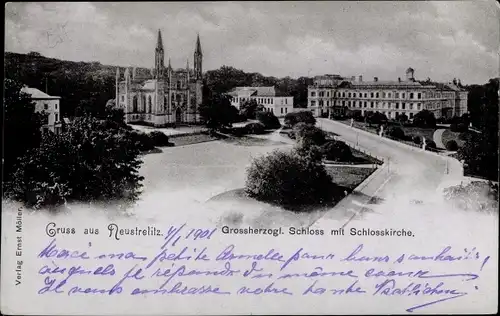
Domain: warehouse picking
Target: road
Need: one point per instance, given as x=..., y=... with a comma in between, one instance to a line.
x=409, y=173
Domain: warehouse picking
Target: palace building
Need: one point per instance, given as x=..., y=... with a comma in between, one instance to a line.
x=165, y=96
x=335, y=95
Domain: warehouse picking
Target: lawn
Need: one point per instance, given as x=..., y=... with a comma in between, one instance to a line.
x=191, y=139
x=349, y=177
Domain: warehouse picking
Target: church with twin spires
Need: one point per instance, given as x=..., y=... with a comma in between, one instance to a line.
x=163, y=96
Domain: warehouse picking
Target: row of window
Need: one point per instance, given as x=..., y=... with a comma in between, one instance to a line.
x=377, y=95
x=259, y=100
x=46, y=106
x=365, y=104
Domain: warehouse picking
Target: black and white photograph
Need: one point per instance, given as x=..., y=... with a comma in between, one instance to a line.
x=234, y=158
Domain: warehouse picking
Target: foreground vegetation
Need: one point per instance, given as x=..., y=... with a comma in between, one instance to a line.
x=475, y=196
x=298, y=179
x=93, y=159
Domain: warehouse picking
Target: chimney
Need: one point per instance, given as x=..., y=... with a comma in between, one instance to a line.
x=360, y=78
x=375, y=79
x=399, y=79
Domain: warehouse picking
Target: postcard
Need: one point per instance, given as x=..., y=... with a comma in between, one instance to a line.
x=235, y=158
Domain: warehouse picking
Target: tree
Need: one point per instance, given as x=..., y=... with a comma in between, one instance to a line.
x=375, y=118
x=480, y=150
x=217, y=112
x=403, y=118
x=395, y=132
x=424, y=118
x=268, y=119
x=115, y=117
x=337, y=151
x=296, y=117
x=480, y=153
x=451, y=145
x=356, y=115
x=288, y=179
x=308, y=135
x=87, y=162
x=21, y=125
x=249, y=109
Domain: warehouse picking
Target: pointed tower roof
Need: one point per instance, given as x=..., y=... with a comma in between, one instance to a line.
x=169, y=64
x=198, y=45
x=187, y=63
x=159, y=43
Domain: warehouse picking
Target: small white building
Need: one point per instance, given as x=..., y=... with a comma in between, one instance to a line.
x=266, y=96
x=48, y=104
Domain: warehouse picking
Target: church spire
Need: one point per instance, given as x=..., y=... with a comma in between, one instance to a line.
x=159, y=56
x=198, y=58
x=198, y=45
x=159, y=43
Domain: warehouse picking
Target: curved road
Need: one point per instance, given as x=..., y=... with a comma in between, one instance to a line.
x=408, y=174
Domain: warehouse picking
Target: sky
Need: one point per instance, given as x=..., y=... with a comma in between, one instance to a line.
x=440, y=40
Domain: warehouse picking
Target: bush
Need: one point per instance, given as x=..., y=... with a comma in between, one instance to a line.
x=475, y=196
x=430, y=144
x=375, y=118
x=291, y=119
x=311, y=152
x=87, y=162
x=309, y=135
x=159, y=139
x=337, y=151
x=463, y=136
x=451, y=145
x=255, y=128
x=269, y=120
x=395, y=132
x=417, y=139
x=424, y=118
x=287, y=179
x=141, y=140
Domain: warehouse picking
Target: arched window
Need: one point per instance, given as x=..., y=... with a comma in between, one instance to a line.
x=150, y=105
x=143, y=105
x=165, y=100
x=179, y=85
x=178, y=99
x=134, y=104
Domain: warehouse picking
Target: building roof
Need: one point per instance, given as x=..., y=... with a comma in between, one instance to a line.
x=37, y=94
x=253, y=91
x=382, y=83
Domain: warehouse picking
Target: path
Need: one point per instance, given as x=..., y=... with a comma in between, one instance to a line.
x=408, y=172
x=438, y=137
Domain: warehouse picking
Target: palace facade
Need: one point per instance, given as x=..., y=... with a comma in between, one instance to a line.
x=164, y=96
x=333, y=95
